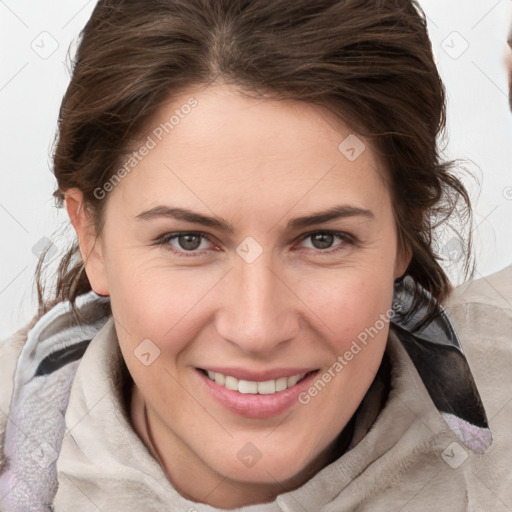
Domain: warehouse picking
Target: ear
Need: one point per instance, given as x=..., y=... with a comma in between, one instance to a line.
x=403, y=258
x=90, y=245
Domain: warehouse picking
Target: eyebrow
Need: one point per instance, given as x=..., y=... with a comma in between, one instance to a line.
x=337, y=212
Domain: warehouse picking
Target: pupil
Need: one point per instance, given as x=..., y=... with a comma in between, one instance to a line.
x=189, y=242
x=322, y=240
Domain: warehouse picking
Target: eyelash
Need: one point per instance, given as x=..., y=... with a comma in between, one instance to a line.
x=166, y=239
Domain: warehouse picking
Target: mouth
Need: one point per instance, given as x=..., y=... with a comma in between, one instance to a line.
x=256, y=399
x=252, y=387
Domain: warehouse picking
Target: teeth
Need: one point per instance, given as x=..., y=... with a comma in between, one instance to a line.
x=247, y=387
x=281, y=384
x=268, y=387
x=293, y=380
x=231, y=383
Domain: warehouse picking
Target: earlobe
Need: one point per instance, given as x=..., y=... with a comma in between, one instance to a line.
x=403, y=259
x=90, y=246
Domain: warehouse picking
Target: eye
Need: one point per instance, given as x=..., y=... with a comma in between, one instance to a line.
x=190, y=243
x=322, y=240
x=184, y=242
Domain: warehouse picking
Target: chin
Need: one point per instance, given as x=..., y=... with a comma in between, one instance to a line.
x=271, y=465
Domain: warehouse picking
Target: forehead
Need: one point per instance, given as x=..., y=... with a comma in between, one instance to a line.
x=269, y=125
x=228, y=144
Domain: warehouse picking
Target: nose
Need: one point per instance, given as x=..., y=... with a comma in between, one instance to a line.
x=259, y=310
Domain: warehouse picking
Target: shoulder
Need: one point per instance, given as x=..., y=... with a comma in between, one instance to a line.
x=10, y=349
x=481, y=313
x=494, y=291
x=482, y=309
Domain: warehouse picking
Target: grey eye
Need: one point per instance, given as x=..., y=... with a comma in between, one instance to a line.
x=189, y=242
x=322, y=240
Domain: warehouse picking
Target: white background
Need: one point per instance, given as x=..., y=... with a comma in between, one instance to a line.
x=32, y=86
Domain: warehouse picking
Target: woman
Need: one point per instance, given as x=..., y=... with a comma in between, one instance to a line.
x=251, y=314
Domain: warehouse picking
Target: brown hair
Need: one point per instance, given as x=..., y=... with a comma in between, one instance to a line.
x=369, y=62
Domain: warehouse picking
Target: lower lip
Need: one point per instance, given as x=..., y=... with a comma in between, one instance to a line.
x=256, y=406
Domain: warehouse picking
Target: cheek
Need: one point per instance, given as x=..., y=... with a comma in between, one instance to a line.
x=151, y=300
x=349, y=300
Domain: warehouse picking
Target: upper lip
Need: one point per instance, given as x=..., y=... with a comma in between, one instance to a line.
x=257, y=376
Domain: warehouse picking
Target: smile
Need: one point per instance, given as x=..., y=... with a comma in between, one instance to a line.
x=256, y=395
x=268, y=387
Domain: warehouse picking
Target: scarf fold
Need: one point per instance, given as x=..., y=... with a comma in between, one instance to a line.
x=42, y=384
x=437, y=354
x=51, y=355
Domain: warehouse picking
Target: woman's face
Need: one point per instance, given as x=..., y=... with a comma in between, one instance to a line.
x=254, y=241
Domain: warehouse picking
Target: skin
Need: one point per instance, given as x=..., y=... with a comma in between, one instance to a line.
x=257, y=163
